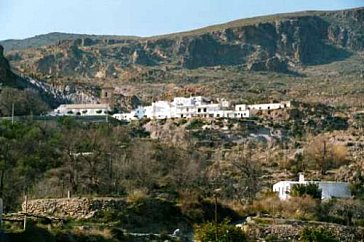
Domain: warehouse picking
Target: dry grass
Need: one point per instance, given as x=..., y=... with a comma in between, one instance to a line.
x=297, y=207
x=137, y=195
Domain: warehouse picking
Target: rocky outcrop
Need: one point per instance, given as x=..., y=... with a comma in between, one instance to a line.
x=6, y=76
x=75, y=208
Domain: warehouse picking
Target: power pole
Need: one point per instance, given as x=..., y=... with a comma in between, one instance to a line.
x=216, y=222
x=26, y=210
x=1, y=218
x=12, y=113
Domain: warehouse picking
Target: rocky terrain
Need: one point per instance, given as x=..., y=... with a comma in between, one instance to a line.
x=168, y=174
x=298, y=56
x=6, y=76
x=273, y=43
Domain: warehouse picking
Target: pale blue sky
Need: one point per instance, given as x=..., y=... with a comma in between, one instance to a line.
x=26, y=18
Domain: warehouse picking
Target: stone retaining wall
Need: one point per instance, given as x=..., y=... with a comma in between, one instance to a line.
x=291, y=232
x=75, y=208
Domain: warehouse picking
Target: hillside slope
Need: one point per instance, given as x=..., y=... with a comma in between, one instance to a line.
x=272, y=43
x=288, y=56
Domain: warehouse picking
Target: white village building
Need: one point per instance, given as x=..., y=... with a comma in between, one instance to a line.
x=81, y=110
x=329, y=189
x=269, y=106
x=182, y=107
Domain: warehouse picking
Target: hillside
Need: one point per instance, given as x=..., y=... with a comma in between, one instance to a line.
x=272, y=43
x=285, y=56
x=140, y=181
x=50, y=39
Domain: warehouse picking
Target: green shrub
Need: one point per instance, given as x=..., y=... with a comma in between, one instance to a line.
x=312, y=189
x=309, y=234
x=195, y=124
x=222, y=232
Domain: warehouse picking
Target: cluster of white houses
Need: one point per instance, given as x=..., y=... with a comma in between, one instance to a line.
x=329, y=189
x=182, y=107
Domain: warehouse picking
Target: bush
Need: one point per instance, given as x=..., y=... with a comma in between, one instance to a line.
x=195, y=124
x=311, y=189
x=309, y=234
x=137, y=195
x=296, y=207
x=222, y=232
x=191, y=206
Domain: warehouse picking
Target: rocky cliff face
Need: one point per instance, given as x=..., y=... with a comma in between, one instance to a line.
x=268, y=44
x=6, y=76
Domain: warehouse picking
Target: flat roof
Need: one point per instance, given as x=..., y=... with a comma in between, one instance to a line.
x=86, y=106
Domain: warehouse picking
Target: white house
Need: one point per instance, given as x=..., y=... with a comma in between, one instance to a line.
x=269, y=106
x=81, y=110
x=329, y=189
x=182, y=107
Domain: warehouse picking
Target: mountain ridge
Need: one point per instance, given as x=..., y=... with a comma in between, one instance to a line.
x=9, y=44
x=284, y=44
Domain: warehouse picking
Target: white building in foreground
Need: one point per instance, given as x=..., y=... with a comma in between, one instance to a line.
x=81, y=110
x=182, y=107
x=329, y=189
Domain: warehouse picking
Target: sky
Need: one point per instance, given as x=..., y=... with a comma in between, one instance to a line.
x=26, y=18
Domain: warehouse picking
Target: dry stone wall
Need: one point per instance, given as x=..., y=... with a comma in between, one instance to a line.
x=74, y=208
x=288, y=231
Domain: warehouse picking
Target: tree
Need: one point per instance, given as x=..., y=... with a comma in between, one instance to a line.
x=222, y=232
x=25, y=102
x=238, y=175
x=309, y=234
x=311, y=189
x=347, y=209
x=322, y=155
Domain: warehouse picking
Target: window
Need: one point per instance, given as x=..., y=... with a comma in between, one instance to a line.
x=106, y=94
x=199, y=110
x=205, y=110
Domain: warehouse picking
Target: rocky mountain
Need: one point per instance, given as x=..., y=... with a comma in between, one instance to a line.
x=6, y=76
x=53, y=96
x=273, y=43
x=50, y=39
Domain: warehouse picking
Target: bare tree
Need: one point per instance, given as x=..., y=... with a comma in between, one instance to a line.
x=322, y=155
x=249, y=172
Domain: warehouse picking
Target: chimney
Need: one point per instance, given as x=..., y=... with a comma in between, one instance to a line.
x=301, y=178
